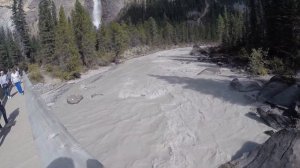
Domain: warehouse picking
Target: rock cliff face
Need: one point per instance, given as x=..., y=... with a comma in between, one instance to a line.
x=110, y=9
x=31, y=9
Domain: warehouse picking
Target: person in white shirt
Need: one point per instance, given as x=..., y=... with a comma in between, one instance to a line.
x=4, y=82
x=16, y=80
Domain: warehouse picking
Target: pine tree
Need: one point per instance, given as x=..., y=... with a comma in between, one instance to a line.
x=9, y=51
x=104, y=39
x=21, y=27
x=225, y=36
x=66, y=52
x=221, y=27
x=3, y=52
x=119, y=39
x=46, y=31
x=142, y=34
x=168, y=32
x=85, y=34
x=153, y=37
x=54, y=13
x=13, y=50
x=35, y=48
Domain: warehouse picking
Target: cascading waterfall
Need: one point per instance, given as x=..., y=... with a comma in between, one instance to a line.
x=97, y=13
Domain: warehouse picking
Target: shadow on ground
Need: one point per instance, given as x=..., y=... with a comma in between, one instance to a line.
x=4, y=98
x=246, y=148
x=188, y=59
x=64, y=162
x=254, y=116
x=215, y=87
x=5, y=130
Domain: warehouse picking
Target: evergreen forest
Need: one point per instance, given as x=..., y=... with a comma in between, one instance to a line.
x=264, y=34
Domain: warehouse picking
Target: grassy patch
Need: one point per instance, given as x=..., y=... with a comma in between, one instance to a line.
x=35, y=73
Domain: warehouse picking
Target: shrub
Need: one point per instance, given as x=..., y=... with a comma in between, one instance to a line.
x=243, y=54
x=256, y=64
x=105, y=58
x=49, y=68
x=23, y=66
x=35, y=73
x=277, y=66
x=58, y=73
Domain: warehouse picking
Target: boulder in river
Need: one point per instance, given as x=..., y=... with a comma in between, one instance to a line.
x=276, y=118
x=281, y=150
x=198, y=51
x=271, y=89
x=245, y=85
x=74, y=99
x=287, y=97
x=280, y=91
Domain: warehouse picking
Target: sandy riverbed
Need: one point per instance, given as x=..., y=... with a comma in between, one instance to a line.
x=154, y=111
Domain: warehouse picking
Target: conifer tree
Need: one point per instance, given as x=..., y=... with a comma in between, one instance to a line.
x=142, y=34
x=153, y=37
x=225, y=36
x=3, y=52
x=54, y=13
x=66, y=52
x=9, y=51
x=168, y=32
x=13, y=50
x=119, y=39
x=21, y=27
x=221, y=27
x=35, y=48
x=46, y=31
x=85, y=34
x=104, y=39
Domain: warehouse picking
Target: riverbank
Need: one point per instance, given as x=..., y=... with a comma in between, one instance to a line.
x=156, y=111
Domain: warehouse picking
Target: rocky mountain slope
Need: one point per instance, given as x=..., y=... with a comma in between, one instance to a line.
x=31, y=9
x=110, y=10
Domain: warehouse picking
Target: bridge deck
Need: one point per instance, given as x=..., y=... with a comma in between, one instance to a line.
x=17, y=149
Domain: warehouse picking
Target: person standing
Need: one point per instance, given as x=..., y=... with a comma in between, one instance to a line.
x=16, y=80
x=3, y=111
x=8, y=74
x=5, y=84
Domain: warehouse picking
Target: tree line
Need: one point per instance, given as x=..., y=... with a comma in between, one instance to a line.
x=66, y=45
x=266, y=33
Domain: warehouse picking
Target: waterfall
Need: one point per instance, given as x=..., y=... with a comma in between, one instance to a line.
x=97, y=13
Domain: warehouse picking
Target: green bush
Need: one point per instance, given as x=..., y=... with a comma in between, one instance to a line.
x=243, y=54
x=49, y=68
x=64, y=75
x=257, y=64
x=35, y=73
x=277, y=66
x=105, y=58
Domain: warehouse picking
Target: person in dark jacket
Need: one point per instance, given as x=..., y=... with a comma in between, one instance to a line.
x=4, y=82
x=3, y=111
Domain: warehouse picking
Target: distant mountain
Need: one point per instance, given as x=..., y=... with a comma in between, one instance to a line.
x=31, y=9
x=110, y=9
